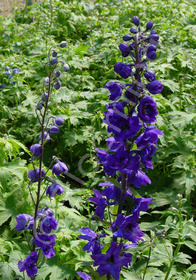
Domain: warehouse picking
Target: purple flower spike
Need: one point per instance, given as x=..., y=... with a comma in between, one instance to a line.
x=112, y=261
x=35, y=150
x=59, y=121
x=84, y=276
x=54, y=189
x=24, y=222
x=48, y=224
x=29, y=265
x=46, y=243
x=59, y=167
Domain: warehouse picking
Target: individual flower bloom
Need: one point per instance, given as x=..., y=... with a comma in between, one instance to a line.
x=112, y=261
x=149, y=136
x=138, y=178
x=46, y=243
x=46, y=136
x=59, y=121
x=115, y=117
x=151, y=55
x=8, y=72
x=57, y=84
x=46, y=81
x=133, y=30
x=93, y=245
x=114, y=145
x=124, y=48
x=151, y=48
x=39, y=106
x=141, y=204
x=126, y=162
x=35, y=149
x=44, y=96
x=66, y=67
x=54, y=189
x=48, y=224
x=24, y=222
x=43, y=212
x=53, y=130
x=59, y=167
x=127, y=228
x=154, y=87
x=154, y=38
x=57, y=73
x=146, y=155
x=54, y=53
x=149, y=25
x=7, y=68
x=111, y=192
x=84, y=276
x=63, y=44
x=131, y=94
x=100, y=202
x=150, y=75
x=147, y=109
x=16, y=71
x=136, y=20
x=127, y=37
x=53, y=61
x=29, y=265
x=115, y=90
x=34, y=175
x=123, y=69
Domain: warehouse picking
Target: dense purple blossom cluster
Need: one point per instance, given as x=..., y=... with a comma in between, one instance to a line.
x=43, y=222
x=130, y=117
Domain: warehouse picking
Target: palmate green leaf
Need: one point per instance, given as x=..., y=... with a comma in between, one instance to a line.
x=173, y=86
x=183, y=258
x=6, y=272
x=55, y=271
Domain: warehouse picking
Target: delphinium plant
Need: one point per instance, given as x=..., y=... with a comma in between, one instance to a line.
x=38, y=228
x=130, y=117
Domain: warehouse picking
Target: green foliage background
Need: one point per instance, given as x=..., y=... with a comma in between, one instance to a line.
x=93, y=30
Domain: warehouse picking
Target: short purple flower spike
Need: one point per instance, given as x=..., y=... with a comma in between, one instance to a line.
x=29, y=265
x=59, y=167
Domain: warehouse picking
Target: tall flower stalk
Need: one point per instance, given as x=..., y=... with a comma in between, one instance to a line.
x=130, y=118
x=43, y=222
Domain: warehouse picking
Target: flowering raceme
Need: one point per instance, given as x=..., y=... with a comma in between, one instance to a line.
x=41, y=225
x=130, y=118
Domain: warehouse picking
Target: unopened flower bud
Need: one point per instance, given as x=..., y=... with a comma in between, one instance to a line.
x=66, y=67
x=54, y=53
x=133, y=30
x=57, y=84
x=44, y=96
x=57, y=73
x=53, y=61
x=53, y=129
x=63, y=44
x=149, y=25
x=59, y=121
x=136, y=20
x=127, y=37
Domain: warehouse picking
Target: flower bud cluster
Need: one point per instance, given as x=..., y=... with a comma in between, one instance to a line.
x=130, y=118
x=43, y=221
x=10, y=73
